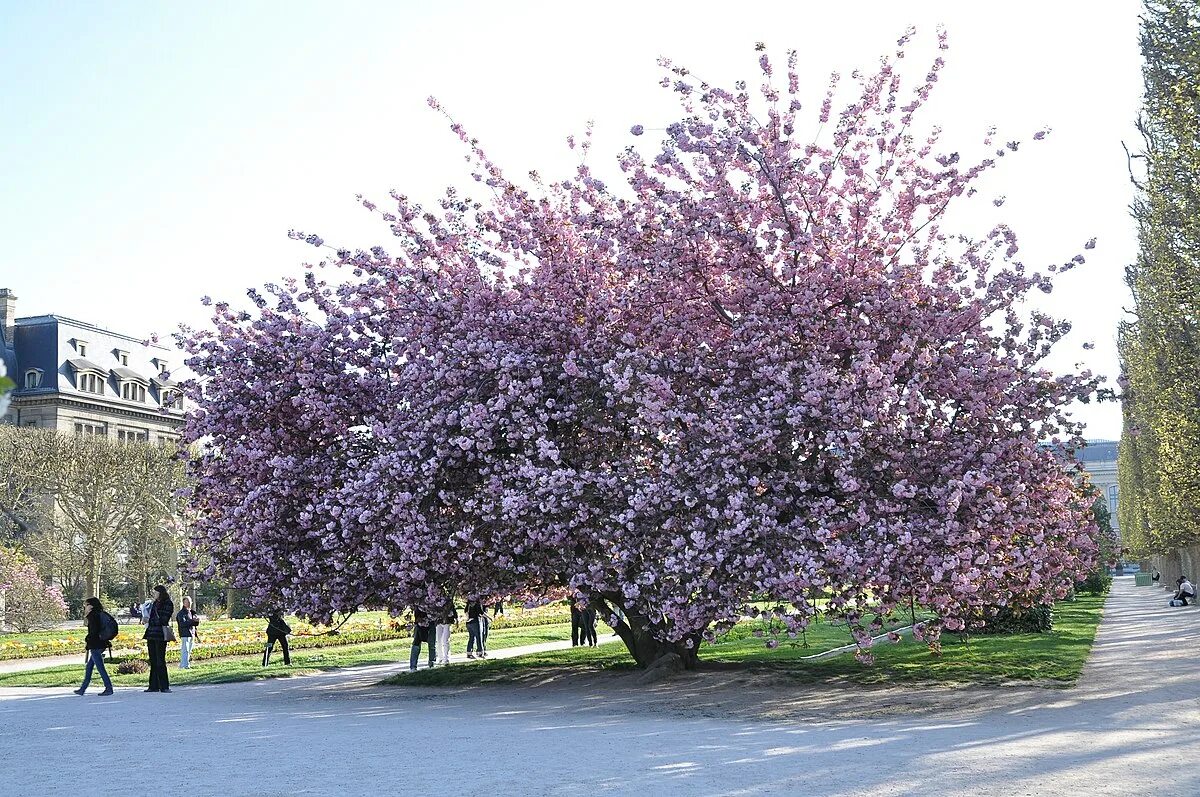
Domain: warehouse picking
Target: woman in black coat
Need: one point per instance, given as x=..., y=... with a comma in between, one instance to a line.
x=162, y=614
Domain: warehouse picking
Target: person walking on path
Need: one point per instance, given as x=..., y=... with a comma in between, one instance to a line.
x=101, y=628
x=445, y=622
x=423, y=634
x=160, y=615
x=277, y=631
x=187, y=622
x=476, y=617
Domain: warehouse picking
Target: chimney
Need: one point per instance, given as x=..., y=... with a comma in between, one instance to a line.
x=8, y=317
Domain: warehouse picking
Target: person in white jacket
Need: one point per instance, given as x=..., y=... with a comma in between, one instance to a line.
x=1184, y=591
x=445, y=622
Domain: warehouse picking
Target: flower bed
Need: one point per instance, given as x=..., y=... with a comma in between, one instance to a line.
x=64, y=643
x=241, y=637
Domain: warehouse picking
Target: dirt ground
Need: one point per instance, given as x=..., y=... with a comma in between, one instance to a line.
x=762, y=695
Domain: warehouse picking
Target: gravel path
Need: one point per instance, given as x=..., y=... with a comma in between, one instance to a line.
x=21, y=665
x=1132, y=726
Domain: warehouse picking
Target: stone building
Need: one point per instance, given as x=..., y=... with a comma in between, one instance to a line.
x=1099, y=459
x=81, y=379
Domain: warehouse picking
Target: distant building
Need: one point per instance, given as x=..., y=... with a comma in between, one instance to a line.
x=80, y=379
x=1099, y=459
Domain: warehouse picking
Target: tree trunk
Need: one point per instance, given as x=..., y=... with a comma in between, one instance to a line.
x=634, y=631
x=95, y=560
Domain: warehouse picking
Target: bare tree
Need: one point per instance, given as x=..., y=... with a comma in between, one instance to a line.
x=108, y=494
x=24, y=476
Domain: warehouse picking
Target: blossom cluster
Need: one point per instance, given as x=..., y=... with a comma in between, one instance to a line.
x=28, y=601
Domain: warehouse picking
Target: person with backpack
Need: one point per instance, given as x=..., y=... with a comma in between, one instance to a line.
x=101, y=630
x=159, y=616
x=187, y=622
x=277, y=631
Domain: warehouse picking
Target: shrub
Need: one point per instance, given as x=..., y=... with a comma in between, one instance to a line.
x=132, y=667
x=1097, y=583
x=29, y=602
x=1010, y=620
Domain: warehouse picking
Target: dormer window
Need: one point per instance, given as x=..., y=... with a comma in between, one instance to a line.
x=131, y=385
x=122, y=357
x=81, y=347
x=89, y=377
x=33, y=378
x=90, y=383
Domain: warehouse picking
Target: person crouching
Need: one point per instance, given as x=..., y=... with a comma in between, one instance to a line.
x=277, y=631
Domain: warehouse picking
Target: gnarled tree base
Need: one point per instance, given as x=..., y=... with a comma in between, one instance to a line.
x=633, y=629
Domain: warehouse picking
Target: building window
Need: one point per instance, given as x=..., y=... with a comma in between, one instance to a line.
x=132, y=436
x=122, y=357
x=81, y=347
x=1112, y=499
x=31, y=423
x=132, y=391
x=91, y=383
x=170, y=398
x=33, y=378
x=92, y=428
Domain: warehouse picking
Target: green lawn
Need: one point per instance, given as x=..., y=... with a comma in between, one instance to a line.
x=304, y=662
x=1055, y=658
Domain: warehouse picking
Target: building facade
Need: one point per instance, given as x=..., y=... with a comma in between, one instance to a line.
x=78, y=378
x=1099, y=459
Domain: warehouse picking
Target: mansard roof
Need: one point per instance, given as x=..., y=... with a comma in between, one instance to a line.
x=84, y=364
x=128, y=374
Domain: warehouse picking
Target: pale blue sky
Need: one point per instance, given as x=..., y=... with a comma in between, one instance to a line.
x=151, y=153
